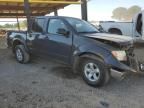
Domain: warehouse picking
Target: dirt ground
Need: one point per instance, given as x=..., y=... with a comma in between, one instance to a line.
x=47, y=84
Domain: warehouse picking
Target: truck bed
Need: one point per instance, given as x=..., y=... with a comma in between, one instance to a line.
x=126, y=28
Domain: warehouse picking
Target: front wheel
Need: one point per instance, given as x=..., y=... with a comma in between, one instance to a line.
x=21, y=54
x=94, y=72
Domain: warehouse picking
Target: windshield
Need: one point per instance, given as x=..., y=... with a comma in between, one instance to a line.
x=82, y=26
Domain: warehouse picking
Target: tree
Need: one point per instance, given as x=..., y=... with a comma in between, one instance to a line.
x=132, y=11
x=124, y=14
x=119, y=13
x=23, y=24
x=8, y=25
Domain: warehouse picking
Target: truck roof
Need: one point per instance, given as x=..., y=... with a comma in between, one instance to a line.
x=54, y=17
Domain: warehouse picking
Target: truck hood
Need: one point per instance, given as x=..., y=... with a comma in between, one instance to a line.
x=111, y=39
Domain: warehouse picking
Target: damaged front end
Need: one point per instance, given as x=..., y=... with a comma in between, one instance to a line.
x=119, y=68
x=132, y=60
x=135, y=58
x=123, y=59
x=139, y=55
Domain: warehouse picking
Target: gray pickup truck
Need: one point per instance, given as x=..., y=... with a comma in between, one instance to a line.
x=97, y=56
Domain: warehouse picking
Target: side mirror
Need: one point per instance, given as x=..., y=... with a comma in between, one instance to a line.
x=62, y=31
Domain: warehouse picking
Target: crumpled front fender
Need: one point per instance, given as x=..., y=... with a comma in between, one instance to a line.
x=112, y=62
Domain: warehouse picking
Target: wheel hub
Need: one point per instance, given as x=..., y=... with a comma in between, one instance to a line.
x=92, y=71
x=19, y=55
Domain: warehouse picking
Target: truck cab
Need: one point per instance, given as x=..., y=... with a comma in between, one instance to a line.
x=138, y=28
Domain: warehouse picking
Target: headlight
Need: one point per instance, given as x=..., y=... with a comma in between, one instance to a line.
x=120, y=55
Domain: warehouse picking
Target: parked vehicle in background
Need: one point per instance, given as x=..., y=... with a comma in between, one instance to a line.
x=134, y=29
x=120, y=28
x=96, y=56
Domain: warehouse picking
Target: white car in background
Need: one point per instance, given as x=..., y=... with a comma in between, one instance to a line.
x=134, y=29
x=121, y=28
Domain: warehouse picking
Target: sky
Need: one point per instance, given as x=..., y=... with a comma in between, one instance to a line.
x=98, y=10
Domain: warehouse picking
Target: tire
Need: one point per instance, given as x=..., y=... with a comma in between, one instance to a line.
x=94, y=72
x=21, y=55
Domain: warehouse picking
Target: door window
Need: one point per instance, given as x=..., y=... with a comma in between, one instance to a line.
x=54, y=25
x=38, y=25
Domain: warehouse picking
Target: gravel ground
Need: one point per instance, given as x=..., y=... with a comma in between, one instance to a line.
x=48, y=84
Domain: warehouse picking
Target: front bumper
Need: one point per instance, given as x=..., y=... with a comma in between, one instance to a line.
x=116, y=74
x=119, y=69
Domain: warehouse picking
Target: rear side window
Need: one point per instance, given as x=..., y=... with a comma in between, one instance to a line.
x=38, y=25
x=54, y=25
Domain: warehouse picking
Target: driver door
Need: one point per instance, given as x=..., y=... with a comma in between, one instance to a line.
x=59, y=45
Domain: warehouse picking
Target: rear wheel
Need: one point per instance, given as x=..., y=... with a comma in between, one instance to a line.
x=21, y=54
x=94, y=72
